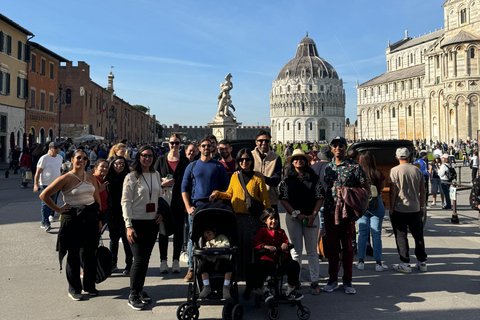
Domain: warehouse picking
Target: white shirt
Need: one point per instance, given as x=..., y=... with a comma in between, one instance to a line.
x=51, y=168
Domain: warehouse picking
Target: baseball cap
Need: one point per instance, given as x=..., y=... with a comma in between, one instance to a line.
x=341, y=139
x=402, y=153
x=54, y=145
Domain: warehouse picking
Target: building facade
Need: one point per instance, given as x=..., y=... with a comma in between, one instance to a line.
x=307, y=101
x=197, y=133
x=89, y=108
x=14, y=55
x=41, y=112
x=431, y=88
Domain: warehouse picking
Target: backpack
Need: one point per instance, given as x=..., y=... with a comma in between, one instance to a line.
x=451, y=173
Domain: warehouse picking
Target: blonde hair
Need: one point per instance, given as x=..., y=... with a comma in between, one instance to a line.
x=113, y=151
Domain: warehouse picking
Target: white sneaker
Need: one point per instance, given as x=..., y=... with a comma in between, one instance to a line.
x=432, y=204
x=403, y=268
x=50, y=218
x=360, y=265
x=422, y=266
x=164, y=267
x=380, y=267
x=176, y=266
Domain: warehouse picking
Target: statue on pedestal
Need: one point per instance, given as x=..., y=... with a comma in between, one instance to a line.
x=224, y=101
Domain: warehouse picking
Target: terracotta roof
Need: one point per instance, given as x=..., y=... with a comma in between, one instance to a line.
x=15, y=25
x=461, y=37
x=47, y=51
x=412, y=72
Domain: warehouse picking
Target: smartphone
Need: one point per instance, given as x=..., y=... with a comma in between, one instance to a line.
x=169, y=176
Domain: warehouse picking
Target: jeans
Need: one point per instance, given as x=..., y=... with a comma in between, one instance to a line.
x=474, y=173
x=116, y=230
x=146, y=231
x=46, y=212
x=371, y=220
x=190, y=244
x=298, y=234
x=446, y=193
x=412, y=220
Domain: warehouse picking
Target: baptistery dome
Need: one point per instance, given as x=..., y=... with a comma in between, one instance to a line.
x=307, y=101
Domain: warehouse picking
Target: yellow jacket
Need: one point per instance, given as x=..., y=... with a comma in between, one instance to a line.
x=256, y=187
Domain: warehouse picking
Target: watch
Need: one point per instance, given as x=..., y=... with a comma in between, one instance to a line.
x=295, y=214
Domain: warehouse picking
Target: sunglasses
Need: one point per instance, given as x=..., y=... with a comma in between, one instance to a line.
x=298, y=158
x=119, y=164
x=263, y=141
x=146, y=155
x=81, y=158
x=175, y=143
x=245, y=160
x=338, y=145
x=206, y=145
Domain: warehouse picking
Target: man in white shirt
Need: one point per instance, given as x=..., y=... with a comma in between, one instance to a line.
x=48, y=169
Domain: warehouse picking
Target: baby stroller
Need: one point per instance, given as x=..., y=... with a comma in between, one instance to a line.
x=275, y=283
x=225, y=222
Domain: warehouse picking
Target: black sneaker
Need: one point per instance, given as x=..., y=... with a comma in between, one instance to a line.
x=92, y=292
x=267, y=295
x=126, y=271
x=294, y=296
x=135, y=303
x=75, y=296
x=145, y=298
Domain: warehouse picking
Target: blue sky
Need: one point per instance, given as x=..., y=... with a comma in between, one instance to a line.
x=173, y=55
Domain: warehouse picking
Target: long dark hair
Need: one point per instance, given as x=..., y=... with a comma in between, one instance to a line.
x=290, y=171
x=112, y=175
x=137, y=167
x=74, y=154
x=270, y=213
x=250, y=155
x=369, y=165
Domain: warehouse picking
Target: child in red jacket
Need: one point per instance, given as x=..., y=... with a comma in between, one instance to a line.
x=272, y=237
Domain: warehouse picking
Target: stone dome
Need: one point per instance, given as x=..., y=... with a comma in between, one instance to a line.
x=307, y=59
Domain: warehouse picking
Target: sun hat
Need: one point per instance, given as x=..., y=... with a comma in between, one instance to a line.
x=325, y=153
x=299, y=153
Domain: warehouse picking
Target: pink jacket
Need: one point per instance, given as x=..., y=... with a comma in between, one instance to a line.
x=352, y=204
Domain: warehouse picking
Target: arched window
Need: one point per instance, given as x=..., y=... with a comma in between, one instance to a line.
x=298, y=87
x=411, y=58
x=310, y=87
x=311, y=126
x=299, y=126
x=386, y=88
x=68, y=96
x=288, y=89
x=393, y=112
x=378, y=114
x=288, y=126
x=472, y=53
x=303, y=107
x=463, y=16
x=321, y=87
x=409, y=111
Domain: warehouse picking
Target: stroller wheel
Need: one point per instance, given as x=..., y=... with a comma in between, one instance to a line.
x=273, y=313
x=237, y=312
x=190, y=313
x=303, y=314
x=181, y=310
x=227, y=311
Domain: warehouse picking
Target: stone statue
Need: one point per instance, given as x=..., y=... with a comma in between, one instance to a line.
x=224, y=101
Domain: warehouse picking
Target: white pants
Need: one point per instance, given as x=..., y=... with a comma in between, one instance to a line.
x=298, y=233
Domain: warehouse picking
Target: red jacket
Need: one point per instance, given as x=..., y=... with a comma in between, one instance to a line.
x=26, y=160
x=276, y=238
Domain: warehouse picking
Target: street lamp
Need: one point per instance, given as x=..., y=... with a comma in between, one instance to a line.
x=60, y=101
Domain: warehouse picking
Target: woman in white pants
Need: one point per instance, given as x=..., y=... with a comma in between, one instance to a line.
x=301, y=194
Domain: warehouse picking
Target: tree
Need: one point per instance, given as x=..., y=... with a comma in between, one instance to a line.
x=355, y=123
x=159, y=130
x=140, y=108
x=347, y=122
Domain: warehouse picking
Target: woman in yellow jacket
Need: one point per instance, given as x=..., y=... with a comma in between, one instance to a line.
x=247, y=224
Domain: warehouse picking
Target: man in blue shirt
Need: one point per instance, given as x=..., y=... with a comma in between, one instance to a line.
x=201, y=178
x=423, y=162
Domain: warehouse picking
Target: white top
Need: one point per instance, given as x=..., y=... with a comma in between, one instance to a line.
x=51, y=168
x=442, y=173
x=474, y=161
x=136, y=196
x=81, y=194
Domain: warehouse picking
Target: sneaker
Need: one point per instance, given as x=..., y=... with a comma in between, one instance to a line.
x=42, y=226
x=267, y=295
x=349, y=288
x=184, y=257
x=432, y=204
x=50, y=218
x=403, y=268
x=176, y=266
x=294, y=295
x=381, y=267
x=145, y=298
x=189, y=276
x=205, y=292
x=331, y=285
x=75, y=296
x=93, y=292
x=360, y=265
x=422, y=266
x=314, y=289
x=164, y=266
x=226, y=292
x=135, y=303
x=48, y=228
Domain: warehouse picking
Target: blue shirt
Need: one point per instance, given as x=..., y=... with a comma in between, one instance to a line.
x=423, y=167
x=204, y=178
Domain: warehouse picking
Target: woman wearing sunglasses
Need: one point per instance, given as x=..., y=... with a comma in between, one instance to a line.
x=247, y=224
x=171, y=167
x=80, y=224
x=117, y=172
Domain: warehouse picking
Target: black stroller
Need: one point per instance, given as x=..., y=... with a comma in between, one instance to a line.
x=275, y=283
x=225, y=222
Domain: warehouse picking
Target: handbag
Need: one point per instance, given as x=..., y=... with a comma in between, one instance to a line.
x=28, y=176
x=255, y=207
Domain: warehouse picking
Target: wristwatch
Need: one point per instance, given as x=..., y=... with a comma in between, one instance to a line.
x=294, y=214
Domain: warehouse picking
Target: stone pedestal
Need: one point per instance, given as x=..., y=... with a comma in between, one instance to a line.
x=224, y=127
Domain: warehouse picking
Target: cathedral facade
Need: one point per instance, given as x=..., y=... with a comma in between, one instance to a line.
x=307, y=101
x=431, y=88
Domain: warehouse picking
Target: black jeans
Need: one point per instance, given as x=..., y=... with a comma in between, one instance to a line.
x=400, y=221
x=116, y=229
x=178, y=237
x=146, y=231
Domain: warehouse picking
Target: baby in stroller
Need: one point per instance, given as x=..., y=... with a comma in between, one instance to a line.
x=221, y=263
x=271, y=244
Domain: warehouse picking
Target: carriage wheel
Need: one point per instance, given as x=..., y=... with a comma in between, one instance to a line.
x=181, y=310
x=191, y=313
x=273, y=313
x=303, y=314
x=237, y=312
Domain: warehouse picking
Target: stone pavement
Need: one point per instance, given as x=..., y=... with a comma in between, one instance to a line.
x=32, y=287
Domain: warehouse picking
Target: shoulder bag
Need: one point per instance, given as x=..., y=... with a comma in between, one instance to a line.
x=253, y=206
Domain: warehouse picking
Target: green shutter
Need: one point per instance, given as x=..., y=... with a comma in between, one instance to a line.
x=19, y=50
x=8, y=84
x=18, y=86
x=9, y=45
x=1, y=41
x=26, y=88
x=1, y=82
x=27, y=53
